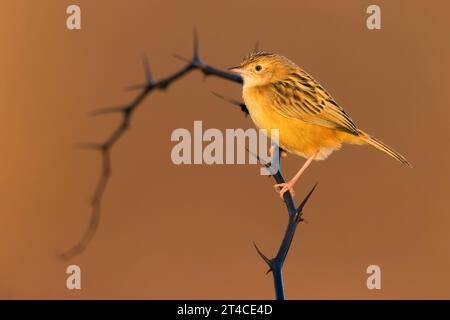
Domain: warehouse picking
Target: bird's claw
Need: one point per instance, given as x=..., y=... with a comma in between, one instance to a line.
x=281, y=188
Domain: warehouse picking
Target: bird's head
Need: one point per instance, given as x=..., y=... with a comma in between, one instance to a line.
x=262, y=68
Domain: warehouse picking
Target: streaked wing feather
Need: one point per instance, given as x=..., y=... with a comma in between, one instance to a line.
x=300, y=96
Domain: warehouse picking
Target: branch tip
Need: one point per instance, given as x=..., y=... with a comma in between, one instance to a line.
x=232, y=101
x=147, y=70
x=196, y=56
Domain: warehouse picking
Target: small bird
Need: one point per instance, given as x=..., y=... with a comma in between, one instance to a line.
x=280, y=95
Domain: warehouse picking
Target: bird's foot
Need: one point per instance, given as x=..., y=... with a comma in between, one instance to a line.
x=281, y=188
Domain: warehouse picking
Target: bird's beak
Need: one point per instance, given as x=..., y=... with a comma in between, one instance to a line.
x=238, y=70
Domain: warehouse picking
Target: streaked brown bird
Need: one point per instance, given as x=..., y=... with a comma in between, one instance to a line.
x=280, y=95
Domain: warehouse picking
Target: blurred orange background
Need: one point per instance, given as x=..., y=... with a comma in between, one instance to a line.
x=186, y=232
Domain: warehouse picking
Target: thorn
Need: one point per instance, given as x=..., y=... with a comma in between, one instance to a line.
x=303, y=203
x=266, y=164
x=269, y=271
x=267, y=260
x=196, y=57
x=180, y=57
x=235, y=102
x=252, y=155
x=298, y=217
x=232, y=101
x=147, y=70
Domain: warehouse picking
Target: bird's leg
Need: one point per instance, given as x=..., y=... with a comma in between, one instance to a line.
x=283, y=187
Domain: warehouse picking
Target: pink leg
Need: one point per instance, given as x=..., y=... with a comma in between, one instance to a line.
x=288, y=186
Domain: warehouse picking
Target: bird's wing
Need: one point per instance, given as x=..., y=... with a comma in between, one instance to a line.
x=300, y=96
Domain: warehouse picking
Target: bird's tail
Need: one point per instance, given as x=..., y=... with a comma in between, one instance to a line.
x=381, y=146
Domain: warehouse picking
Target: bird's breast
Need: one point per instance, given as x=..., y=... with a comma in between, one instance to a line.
x=295, y=135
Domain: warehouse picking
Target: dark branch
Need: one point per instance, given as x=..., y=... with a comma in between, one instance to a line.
x=294, y=218
x=196, y=63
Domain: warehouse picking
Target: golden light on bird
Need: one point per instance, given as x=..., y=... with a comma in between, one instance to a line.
x=280, y=95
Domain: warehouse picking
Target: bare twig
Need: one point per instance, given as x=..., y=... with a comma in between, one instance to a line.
x=294, y=218
x=195, y=63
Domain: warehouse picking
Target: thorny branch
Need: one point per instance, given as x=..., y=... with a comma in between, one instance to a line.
x=295, y=216
x=195, y=63
x=127, y=111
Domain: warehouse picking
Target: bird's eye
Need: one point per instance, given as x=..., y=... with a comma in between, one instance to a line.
x=258, y=68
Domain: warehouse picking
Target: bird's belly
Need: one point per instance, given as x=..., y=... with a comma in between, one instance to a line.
x=297, y=136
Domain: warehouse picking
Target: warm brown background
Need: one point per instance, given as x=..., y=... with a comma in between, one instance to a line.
x=186, y=231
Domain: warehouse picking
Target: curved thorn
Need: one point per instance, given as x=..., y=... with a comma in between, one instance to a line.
x=267, y=260
x=300, y=207
x=269, y=271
